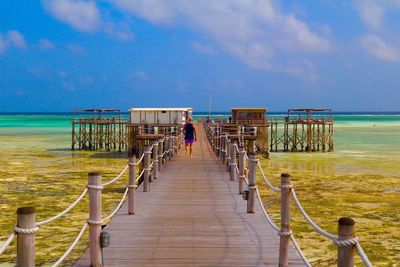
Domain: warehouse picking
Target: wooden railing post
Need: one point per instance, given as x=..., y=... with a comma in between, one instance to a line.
x=171, y=147
x=155, y=160
x=146, y=168
x=160, y=151
x=242, y=168
x=251, y=202
x=132, y=185
x=223, y=148
x=95, y=187
x=212, y=136
x=227, y=153
x=26, y=219
x=346, y=253
x=285, y=220
x=232, y=161
x=217, y=143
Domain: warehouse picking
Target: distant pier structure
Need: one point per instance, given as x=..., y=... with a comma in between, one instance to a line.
x=301, y=130
x=305, y=129
x=99, y=129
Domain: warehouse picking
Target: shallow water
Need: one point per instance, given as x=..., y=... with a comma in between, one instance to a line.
x=361, y=179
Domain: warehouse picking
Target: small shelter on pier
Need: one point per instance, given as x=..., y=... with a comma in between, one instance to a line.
x=98, y=129
x=154, y=121
x=249, y=121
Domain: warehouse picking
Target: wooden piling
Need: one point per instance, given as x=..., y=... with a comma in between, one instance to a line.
x=242, y=168
x=251, y=202
x=155, y=160
x=285, y=220
x=95, y=187
x=26, y=219
x=251, y=152
x=346, y=231
x=232, y=161
x=160, y=151
x=132, y=185
x=146, y=168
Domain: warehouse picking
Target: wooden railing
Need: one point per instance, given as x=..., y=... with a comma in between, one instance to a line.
x=238, y=152
x=154, y=156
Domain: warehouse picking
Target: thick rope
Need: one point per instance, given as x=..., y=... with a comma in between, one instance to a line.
x=71, y=247
x=100, y=222
x=308, y=219
x=273, y=188
x=64, y=211
x=7, y=243
x=363, y=256
x=299, y=252
x=119, y=176
x=140, y=160
x=118, y=207
x=97, y=187
x=266, y=215
x=25, y=231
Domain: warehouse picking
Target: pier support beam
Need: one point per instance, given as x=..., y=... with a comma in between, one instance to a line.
x=26, y=236
x=232, y=162
x=285, y=220
x=155, y=160
x=146, y=168
x=346, y=253
x=132, y=185
x=95, y=187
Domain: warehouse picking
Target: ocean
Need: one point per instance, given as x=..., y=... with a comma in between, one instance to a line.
x=360, y=179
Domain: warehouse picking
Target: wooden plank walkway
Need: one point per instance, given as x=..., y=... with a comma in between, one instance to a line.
x=193, y=216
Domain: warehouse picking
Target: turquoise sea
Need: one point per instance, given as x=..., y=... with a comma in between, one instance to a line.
x=38, y=168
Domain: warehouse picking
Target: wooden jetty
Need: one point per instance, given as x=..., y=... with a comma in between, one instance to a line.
x=307, y=131
x=99, y=129
x=200, y=211
x=192, y=216
x=104, y=129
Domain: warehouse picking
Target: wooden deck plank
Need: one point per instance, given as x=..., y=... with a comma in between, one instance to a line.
x=193, y=216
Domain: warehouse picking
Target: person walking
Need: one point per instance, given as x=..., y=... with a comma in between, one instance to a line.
x=190, y=136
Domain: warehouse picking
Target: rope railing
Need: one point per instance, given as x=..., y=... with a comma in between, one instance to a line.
x=7, y=243
x=140, y=160
x=150, y=164
x=118, y=206
x=60, y=260
x=215, y=135
x=64, y=211
x=117, y=177
x=273, y=188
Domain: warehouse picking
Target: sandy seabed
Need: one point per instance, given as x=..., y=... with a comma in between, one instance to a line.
x=360, y=179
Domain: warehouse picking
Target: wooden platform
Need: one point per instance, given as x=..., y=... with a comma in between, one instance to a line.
x=193, y=216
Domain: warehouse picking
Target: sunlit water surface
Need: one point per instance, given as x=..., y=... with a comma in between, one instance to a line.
x=360, y=179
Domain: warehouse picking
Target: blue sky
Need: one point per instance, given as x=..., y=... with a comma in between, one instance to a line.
x=59, y=55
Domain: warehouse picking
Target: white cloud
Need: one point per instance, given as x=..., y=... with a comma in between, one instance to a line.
x=371, y=12
x=45, y=44
x=15, y=38
x=76, y=49
x=141, y=75
x=120, y=31
x=206, y=49
x=11, y=39
x=378, y=48
x=255, y=31
x=3, y=44
x=79, y=14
